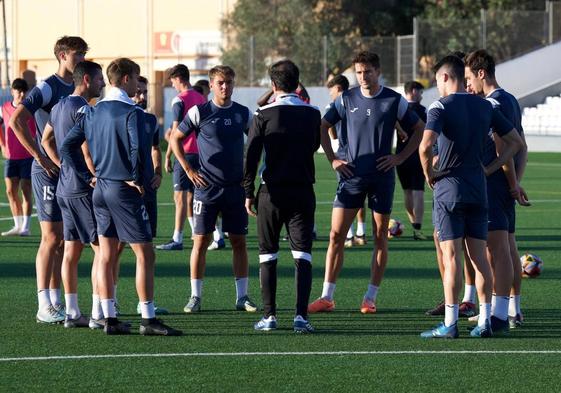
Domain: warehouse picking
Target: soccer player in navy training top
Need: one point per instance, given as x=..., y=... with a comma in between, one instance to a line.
x=337, y=85
x=219, y=125
x=115, y=131
x=74, y=195
x=287, y=133
x=460, y=123
x=503, y=188
x=69, y=51
x=370, y=112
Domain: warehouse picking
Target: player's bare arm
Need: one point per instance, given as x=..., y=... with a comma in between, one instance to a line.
x=167, y=136
x=509, y=169
x=425, y=154
x=18, y=123
x=175, y=142
x=157, y=162
x=511, y=144
x=49, y=144
x=338, y=165
x=386, y=163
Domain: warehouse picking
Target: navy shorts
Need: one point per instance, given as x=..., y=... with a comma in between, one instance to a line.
x=181, y=181
x=352, y=192
x=455, y=220
x=18, y=168
x=151, y=205
x=120, y=212
x=78, y=218
x=410, y=175
x=502, y=214
x=44, y=191
x=212, y=200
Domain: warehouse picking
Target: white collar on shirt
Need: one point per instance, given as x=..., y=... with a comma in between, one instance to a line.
x=117, y=94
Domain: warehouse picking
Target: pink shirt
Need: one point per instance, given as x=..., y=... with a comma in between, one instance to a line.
x=186, y=100
x=14, y=149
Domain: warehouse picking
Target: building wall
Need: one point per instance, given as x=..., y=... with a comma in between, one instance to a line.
x=155, y=33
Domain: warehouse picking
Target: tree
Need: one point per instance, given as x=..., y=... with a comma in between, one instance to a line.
x=320, y=36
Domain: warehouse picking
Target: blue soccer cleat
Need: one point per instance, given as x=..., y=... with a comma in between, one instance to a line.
x=302, y=326
x=217, y=245
x=170, y=246
x=482, y=331
x=442, y=331
x=266, y=324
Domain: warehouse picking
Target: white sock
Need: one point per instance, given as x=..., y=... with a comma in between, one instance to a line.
x=514, y=306
x=97, y=311
x=217, y=234
x=178, y=235
x=371, y=293
x=196, y=287
x=54, y=294
x=115, y=294
x=71, y=303
x=469, y=294
x=147, y=310
x=191, y=222
x=17, y=222
x=25, y=223
x=108, y=307
x=328, y=290
x=360, y=228
x=484, y=314
x=43, y=298
x=350, y=233
x=493, y=303
x=501, y=307
x=451, y=312
x=241, y=287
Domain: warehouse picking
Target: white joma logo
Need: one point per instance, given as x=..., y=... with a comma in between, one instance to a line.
x=354, y=109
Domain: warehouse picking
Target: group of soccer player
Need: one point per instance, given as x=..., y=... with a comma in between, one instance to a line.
x=97, y=169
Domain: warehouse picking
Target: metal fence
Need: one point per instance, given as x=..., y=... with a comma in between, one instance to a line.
x=506, y=34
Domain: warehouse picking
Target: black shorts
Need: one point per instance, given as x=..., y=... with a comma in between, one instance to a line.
x=411, y=176
x=293, y=207
x=18, y=168
x=213, y=200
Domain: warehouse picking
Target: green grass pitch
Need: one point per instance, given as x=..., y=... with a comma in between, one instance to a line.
x=397, y=359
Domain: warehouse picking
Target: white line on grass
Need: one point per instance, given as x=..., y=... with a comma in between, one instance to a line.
x=278, y=354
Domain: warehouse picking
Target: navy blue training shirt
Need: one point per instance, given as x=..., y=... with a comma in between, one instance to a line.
x=40, y=101
x=370, y=126
x=113, y=129
x=462, y=122
x=509, y=107
x=64, y=116
x=220, y=139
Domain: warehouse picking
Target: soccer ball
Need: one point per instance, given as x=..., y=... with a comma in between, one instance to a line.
x=395, y=228
x=532, y=265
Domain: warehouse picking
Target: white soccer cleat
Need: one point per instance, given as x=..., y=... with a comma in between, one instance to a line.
x=15, y=231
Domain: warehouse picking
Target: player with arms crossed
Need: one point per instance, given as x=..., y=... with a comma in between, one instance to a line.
x=461, y=122
x=69, y=51
x=74, y=195
x=287, y=133
x=17, y=167
x=370, y=111
x=182, y=186
x=115, y=131
x=503, y=189
x=219, y=126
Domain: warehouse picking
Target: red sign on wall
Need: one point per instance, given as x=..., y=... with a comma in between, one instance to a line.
x=162, y=42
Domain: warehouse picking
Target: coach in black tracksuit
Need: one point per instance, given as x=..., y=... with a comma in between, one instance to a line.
x=288, y=131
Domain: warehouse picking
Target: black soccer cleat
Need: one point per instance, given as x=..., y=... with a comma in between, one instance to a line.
x=155, y=327
x=115, y=327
